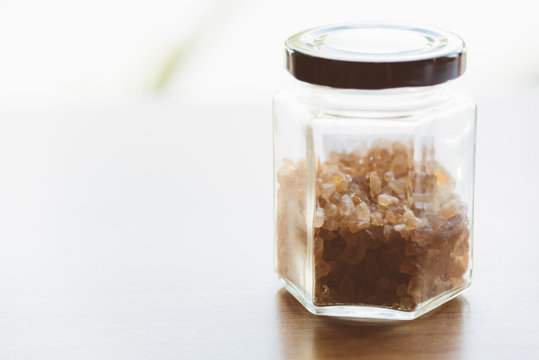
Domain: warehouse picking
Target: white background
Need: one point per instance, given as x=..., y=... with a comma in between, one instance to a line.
x=55, y=52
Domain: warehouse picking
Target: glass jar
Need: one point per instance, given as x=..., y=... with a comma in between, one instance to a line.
x=374, y=151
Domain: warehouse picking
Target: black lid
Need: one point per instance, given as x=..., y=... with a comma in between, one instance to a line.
x=375, y=56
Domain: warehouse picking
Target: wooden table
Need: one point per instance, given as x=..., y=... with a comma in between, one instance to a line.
x=144, y=232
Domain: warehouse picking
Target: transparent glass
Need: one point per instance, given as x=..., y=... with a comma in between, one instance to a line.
x=373, y=198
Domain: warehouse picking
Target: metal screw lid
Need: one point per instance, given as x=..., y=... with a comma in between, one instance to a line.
x=375, y=56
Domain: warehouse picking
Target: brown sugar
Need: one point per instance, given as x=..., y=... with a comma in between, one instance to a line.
x=388, y=230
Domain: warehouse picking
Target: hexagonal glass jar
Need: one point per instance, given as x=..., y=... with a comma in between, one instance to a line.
x=374, y=151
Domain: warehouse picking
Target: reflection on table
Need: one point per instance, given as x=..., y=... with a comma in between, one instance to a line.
x=306, y=336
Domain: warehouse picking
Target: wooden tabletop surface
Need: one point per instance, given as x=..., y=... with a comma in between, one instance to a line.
x=144, y=232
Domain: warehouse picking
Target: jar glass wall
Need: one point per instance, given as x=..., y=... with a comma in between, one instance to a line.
x=374, y=201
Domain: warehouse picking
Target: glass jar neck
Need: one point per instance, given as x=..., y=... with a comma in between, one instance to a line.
x=396, y=102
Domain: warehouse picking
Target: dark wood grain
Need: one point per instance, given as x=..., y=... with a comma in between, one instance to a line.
x=146, y=233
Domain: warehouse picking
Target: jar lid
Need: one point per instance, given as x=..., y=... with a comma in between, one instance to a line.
x=375, y=56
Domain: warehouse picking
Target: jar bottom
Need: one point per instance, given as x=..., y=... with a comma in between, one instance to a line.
x=372, y=313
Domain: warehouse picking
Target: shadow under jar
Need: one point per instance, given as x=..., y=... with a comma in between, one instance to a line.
x=374, y=152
